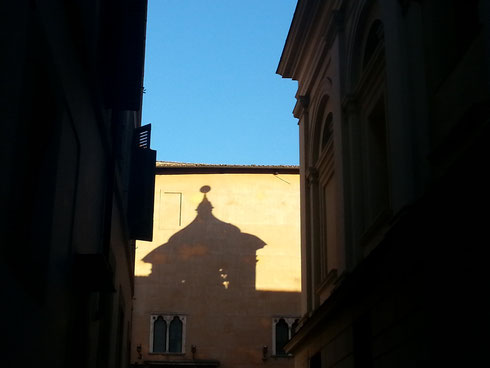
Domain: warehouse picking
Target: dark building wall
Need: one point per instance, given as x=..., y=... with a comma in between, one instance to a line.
x=407, y=84
x=71, y=84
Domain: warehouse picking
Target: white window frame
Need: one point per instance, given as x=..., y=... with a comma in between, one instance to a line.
x=168, y=317
x=290, y=321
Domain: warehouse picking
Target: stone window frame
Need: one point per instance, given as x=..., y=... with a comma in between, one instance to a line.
x=325, y=167
x=367, y=87
x=290, y=322
x=168, y=317
x=371, y=90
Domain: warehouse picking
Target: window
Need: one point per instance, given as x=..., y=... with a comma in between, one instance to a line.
x=170, y=210
x=282, y=330
x=327, y=208
x=167, y=333
x=327, y=132
x=376, y=163
x=374, y=40
x=369, y=138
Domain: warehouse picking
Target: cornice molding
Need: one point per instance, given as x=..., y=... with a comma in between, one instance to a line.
x=302, y=105
x=303, y=19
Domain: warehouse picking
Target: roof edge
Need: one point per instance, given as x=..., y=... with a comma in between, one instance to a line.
x=301, y=24
x=194, y=168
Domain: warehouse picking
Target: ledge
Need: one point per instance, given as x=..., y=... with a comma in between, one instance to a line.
x=178, y=363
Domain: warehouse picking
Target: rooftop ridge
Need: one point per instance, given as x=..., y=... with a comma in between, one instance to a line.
x=163, y=164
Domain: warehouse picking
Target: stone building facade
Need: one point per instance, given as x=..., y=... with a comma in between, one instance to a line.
x=393, y=108
x=220, y=282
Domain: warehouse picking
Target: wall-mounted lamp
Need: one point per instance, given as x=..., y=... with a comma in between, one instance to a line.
x=138, y=349
x=265, y=349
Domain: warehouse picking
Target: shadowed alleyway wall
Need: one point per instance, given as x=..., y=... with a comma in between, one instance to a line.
x=393, y=109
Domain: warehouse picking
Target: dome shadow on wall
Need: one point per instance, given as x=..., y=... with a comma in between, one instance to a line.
x=208, y=253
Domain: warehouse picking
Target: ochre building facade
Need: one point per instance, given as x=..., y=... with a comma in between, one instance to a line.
x=220, y=282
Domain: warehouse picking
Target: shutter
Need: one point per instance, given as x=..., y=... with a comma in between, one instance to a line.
x=141, y=186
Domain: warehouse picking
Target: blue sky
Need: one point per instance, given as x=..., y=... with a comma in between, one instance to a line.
x=212, y=92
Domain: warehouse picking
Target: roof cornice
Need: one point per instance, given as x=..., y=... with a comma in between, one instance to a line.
x=295, y=42
x=165, y=167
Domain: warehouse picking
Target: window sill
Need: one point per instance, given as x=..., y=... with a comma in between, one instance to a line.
x=166, y=353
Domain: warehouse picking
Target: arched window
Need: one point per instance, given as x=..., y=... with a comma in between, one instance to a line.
x=327, y=131
x=167, y=333
x=175, y=336
x=159, y=335
x=374, y=39
x=283, y=329
x=377, y=177
x=370, y=144
x=327, y=202
x=282, y=336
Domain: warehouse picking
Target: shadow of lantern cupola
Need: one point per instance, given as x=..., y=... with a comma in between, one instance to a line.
x=207, y=253
x=205, y=207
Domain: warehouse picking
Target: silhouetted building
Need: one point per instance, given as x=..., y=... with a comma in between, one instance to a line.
x=72, y=147
x=394, y=109
x=219, y=284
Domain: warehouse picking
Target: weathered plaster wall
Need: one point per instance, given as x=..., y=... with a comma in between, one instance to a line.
x=225, y=253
